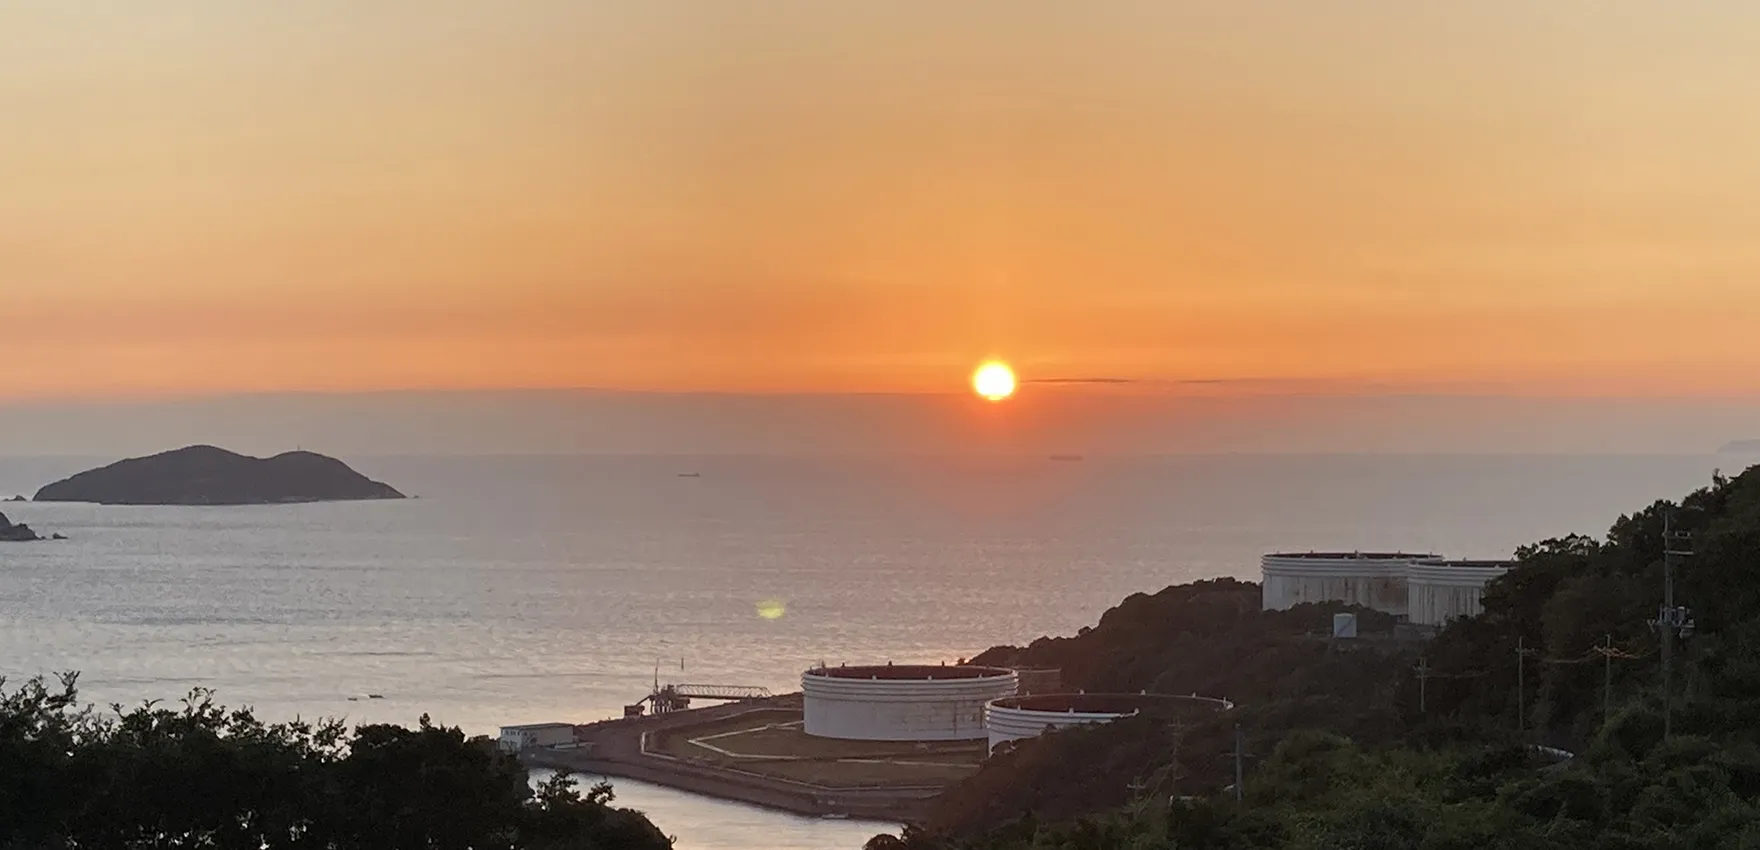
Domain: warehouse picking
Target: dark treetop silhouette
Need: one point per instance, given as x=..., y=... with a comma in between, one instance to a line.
x=202, y=776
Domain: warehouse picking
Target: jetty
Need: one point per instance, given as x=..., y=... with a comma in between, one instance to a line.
x=753, y=751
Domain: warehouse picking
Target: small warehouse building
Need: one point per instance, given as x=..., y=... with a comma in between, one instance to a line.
x=535, y=735
x=901, y=702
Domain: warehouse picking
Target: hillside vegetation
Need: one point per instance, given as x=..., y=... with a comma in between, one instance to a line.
x=199, y=776
x=1383, y=742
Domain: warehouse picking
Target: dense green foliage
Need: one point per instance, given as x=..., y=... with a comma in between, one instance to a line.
x=202, y=776
x=1350, y=746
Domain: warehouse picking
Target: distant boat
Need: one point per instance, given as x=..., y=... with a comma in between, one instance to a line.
x=1066, y=457
x=690, y=475
x=375, y=696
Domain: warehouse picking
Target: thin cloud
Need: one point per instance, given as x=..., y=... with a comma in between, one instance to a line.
x=1259, y=385
x=1156, y=381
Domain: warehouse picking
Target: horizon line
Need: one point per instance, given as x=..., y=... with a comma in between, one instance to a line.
x=1250, y=388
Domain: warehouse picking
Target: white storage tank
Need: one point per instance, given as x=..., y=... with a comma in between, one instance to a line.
x=901, y=702
x=1440, y=590
x=1371, y=579
x=1011, y=719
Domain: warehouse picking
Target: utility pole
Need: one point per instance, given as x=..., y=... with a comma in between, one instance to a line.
x=1423, y=682
x=1665, y=621
x=1522, y=653
x=1607, y=680
x=1672, y=620
x=1239, y=753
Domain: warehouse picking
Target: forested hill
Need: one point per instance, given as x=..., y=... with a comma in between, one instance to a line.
x=1384, y=743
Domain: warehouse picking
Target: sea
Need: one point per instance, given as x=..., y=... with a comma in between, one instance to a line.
x=520, y=589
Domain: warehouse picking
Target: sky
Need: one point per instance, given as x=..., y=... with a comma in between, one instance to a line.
x=359, y=425
x=1361, y=198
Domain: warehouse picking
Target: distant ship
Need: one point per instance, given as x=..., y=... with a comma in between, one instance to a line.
x=690, y=475
x=1066, y=457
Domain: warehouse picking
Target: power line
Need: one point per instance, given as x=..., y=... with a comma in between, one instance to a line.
x=1606, y=653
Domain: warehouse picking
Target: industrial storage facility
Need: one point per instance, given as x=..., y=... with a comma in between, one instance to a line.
x=903, y=702
x=1440, y=590
x=1371, y=579
x=1426, y=589
x=1011, y=719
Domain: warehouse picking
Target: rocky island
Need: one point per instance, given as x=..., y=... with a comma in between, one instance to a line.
x=19, y=533
x=1741, y=447
x=205, y=475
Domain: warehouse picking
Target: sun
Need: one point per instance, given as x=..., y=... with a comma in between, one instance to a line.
x=994, y=380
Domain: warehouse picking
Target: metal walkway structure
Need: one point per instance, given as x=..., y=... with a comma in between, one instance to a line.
x=669, y=698
x=727, y=692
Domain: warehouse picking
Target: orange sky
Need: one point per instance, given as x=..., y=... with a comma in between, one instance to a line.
x=251, y=195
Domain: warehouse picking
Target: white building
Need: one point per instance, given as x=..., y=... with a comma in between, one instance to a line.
x=1440, y=590
x=516, y=738
x=901, y=703
x=1011, y=719
x=1371, y=579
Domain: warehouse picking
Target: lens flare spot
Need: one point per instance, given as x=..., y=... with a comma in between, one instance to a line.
x=772, y=609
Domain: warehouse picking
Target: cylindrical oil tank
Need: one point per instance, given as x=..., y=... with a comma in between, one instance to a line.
x=901, y=702
x=1371, y=579
x=1016, y=718
x=1440, y=590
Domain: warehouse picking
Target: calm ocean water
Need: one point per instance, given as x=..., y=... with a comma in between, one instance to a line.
x=520, y=589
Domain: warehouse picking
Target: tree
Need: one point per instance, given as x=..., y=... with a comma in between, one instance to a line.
x=199, y=775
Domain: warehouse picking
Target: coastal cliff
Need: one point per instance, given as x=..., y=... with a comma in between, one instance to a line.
x=205, y=475
x=20, y=533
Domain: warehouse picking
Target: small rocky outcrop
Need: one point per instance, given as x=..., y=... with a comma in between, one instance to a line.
x=18, y=499
x=205, y=475
x=20, y=533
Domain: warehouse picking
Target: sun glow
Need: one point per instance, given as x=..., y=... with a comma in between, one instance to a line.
x=994, y=380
